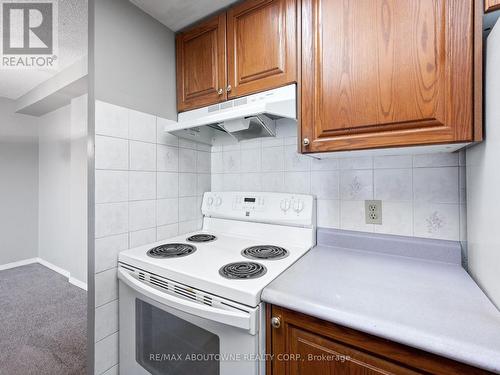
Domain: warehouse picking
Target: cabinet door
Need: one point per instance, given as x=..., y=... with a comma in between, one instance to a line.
x=262, y=45
x=386, y=73
x=304, y=352
x=201, y=64
x=491, y=5
x=299, y=344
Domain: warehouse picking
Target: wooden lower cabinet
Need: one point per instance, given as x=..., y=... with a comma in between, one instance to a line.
x=308, y=346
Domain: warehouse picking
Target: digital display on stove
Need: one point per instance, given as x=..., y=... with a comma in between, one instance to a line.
x=249, y=200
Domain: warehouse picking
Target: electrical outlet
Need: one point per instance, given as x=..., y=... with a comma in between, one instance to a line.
x=373, y=212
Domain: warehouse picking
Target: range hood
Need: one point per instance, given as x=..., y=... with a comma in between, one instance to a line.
x=248, y=117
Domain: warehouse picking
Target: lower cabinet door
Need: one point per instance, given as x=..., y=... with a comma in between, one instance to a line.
x=301, y=344
x=318, y=355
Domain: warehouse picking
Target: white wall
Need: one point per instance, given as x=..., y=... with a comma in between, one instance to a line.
x=15, y=127
x=483, y=181
x=18, y=201
x=62, y=189
x=134, y=59
x=18, y=185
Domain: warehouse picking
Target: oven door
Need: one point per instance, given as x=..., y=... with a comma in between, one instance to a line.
x=165, y=333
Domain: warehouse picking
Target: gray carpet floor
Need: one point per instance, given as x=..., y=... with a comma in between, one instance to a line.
x=43, y=323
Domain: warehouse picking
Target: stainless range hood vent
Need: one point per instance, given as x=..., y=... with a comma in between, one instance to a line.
x=241, y=119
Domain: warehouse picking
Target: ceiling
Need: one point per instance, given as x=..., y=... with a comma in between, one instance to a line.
x=72, y=30
x=177, y=14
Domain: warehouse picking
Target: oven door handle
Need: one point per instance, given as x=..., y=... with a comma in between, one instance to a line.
x=238, y=319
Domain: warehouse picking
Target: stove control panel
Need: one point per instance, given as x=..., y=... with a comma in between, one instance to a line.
x=279, y=208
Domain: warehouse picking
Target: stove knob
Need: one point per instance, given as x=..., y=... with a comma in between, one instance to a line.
x=298, y=206
x=218, y=201
x=210, y=201
x=285, y=205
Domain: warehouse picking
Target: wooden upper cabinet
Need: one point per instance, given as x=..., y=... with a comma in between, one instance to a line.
x=201, y=64
x=491, y=5
x=386, y=73
x=262, y=45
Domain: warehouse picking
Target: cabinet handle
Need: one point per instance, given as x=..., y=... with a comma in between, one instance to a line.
x=306, y=142
x=228, y=88
x=276, y=322
x=220, y=91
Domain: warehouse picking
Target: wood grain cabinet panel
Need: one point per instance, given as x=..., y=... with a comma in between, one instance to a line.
x=201, y=64
x=491, y=5
x=262, y=38
x=386, y=73
x=303, y=345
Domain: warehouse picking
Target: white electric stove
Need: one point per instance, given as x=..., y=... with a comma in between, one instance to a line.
x=202, y=290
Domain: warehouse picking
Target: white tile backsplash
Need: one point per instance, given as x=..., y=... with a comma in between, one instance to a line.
x=140, y=173
x=297, y=182
x=162, y=137
x=111, y=120
x=167, y=158
x=439, y=185
x=401, y=182
x=352, y=216
x=142, y=185
x=393, y=184
x=436, y=160
x=106, y=287
x=111, y=153
x=356, y=184
x=250, y=160
x=111, y=218
x=436, y=220
x=187, y=184
x=296, y=162
x=392, y=161
x=273, y=159
x=111, y=186
x=142, y=215
x=106, y=320
x=106, y=354
x=142, y=237
x=167, y=211
x=166, y=231
x=142, y=156
x=107, y=249
x=188, y=209
x=187, y=160
x=325, y=184
x=397, y=218
x=231, y=161
x=142, y=126
x=167, y=185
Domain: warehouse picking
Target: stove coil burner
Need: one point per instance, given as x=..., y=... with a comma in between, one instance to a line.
x=202, y=237
x=265, y=252
x=172, y=250
x=242, y=270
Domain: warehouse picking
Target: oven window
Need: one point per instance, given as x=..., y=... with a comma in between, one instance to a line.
x=166, y=344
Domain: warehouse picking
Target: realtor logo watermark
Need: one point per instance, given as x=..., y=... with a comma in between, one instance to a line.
x=28, y=34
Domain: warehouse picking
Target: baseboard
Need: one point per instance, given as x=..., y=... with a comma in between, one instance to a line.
x=53, y=267
x=78, y=283
x=63, y=272
x=19, y=263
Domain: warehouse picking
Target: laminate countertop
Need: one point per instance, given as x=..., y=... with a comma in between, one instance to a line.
x=411, y=291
